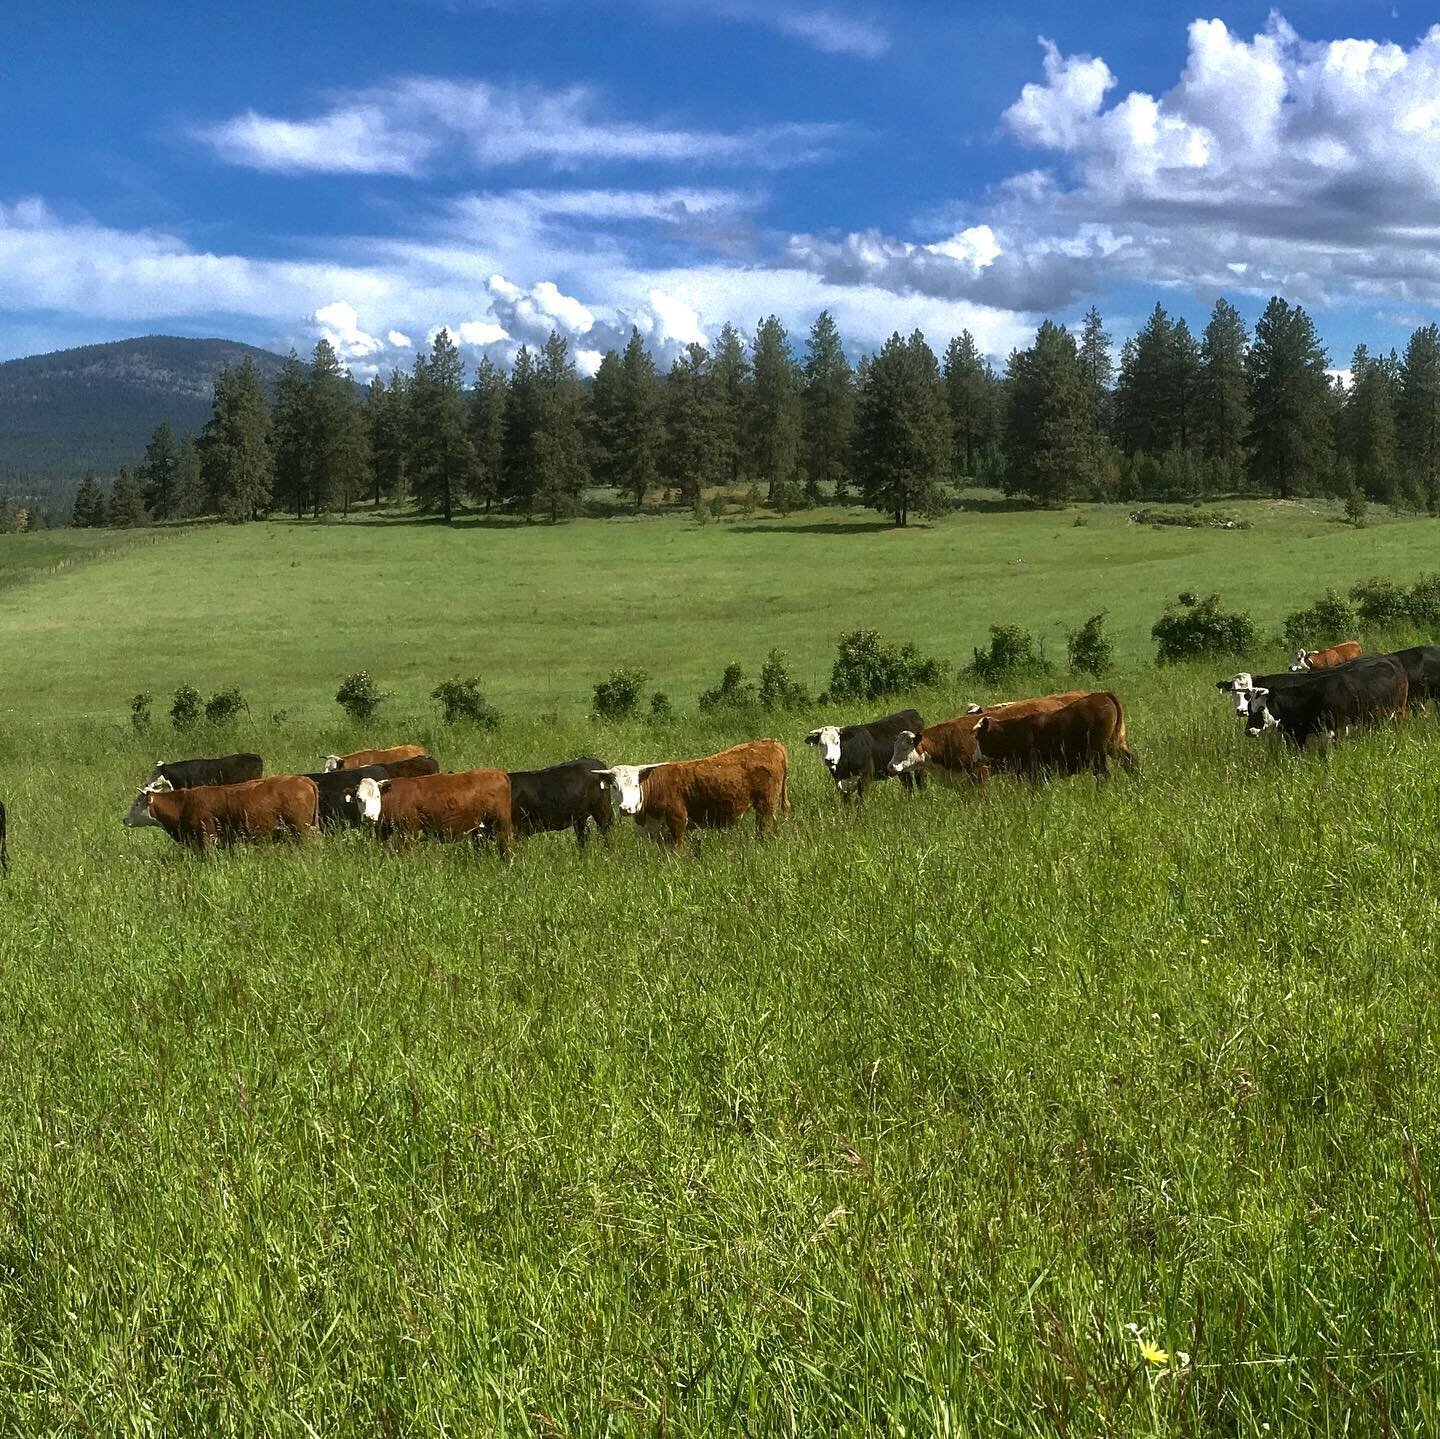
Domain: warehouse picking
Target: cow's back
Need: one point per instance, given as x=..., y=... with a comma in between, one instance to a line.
x=222, y=770
x=718, y=789
x=448, y=806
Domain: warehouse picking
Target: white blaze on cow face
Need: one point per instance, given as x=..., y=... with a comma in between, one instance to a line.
x=624, y=782
x=827, y=740
x=138, y=815
x=906, y=754
x=367, y=796
x=1302, y=663
x=1241, y=687
x=332, y=763
x=1258, y=715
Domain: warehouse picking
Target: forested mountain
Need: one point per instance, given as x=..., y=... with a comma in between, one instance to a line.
x=95, y=407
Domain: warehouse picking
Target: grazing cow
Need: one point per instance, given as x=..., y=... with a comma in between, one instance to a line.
x=857, y=755
x=1330, y=702
x=337, y=787
x=474, y=805
x=4, y=853
x=709, y=793
x=227, y=769
x=283, y=804
x=1326, y=659
x=1086, y=734
x=363, y=758
x=1421, y=664
x=1242, y=685
x=563, y=796
x=948, y=748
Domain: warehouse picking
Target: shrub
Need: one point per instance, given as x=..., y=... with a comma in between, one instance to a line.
x=660, y=706
x=777, y=690
x=1200, y=628
x=868, y=669
x=1424, y=603
x=1328, y=621
x=1381, y=603
x=731, y=693
x=185, y=707
x=359, y=696
x=717, y=507
x=1012, y=652
x=750, y=502
x=1089, y=648
x=462, y=703
x=1189, y=519
x=1355, y=507
x=140, y=712
x=617, y=697
x=225, y=705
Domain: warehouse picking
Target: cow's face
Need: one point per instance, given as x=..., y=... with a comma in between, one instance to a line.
x=1258, y=715
x=332, y=762
x=624, y=782
x=981, y=725
x=827, y=741
x=1302, y=662
x=155, y=773
x=367, y=799
x=907, y=753
x=139, y=815
x=1241, y=688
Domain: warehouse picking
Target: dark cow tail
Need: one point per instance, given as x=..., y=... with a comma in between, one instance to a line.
x=4, y=853
x=1123, y=751
x=784, y=780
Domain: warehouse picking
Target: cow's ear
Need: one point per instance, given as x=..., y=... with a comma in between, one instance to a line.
x=1259, y=692
x=919, y=735
x=972, y=709
x=982, y=724
x=383, y=784
x=813, y=737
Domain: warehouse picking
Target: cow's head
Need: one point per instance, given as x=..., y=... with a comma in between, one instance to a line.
x=332, y=762
x=624, y=781
x=827, y=740
x=1259, y=717
x=367, y=798
x=907, y=752
x=973, y=709
x=981, y=726
x=139, y=814
x=1242, y=686
x=1302, y=661
x=157, y=771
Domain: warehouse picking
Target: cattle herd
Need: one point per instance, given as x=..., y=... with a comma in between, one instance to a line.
x=400, y=792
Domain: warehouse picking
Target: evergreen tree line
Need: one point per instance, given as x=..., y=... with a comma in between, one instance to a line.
x=1175, y=417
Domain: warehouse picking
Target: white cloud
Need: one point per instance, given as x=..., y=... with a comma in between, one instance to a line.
x=833, y=33
x=419, y=123
x=339, y=322
x=398, y=340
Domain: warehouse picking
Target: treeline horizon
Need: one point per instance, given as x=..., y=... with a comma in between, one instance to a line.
x=1173, y=417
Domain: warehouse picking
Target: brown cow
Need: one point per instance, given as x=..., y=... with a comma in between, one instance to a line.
x=363, y=757
x=947, y=749
x=283, y=804
x=708, y=793
x=1085, y=734
x=474, y=805
x=1326, y=659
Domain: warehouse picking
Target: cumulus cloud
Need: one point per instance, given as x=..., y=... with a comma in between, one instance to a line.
x=418, y=124
x=339, y=322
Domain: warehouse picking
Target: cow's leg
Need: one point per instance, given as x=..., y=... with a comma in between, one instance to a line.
x=675, y=824
x=581, y=825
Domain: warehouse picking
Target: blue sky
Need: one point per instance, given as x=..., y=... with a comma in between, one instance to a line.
x=371, y=172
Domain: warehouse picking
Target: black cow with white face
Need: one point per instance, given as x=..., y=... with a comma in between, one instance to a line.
x=563, y=796
x=225, y=769
x=1243, y=685
x=338, y=808
x=1329, y=703
x=857, y=755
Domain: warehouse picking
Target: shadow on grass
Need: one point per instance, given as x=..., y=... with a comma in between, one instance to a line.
x=836, y=526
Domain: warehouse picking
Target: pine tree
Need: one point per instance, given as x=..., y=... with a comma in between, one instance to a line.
x=1224, y=406
x=562, y=450
x=773, y=428
x=339, y=461
x=127, y=501
x=189, y=480
x=522, y=432
x=389, y=435
x=1051, y=444
x=1184, y=385
x=1097, y=366
x=902, y=433
x=828, y=426
x=1368, y=438
x=972, y=393
x=628, y=406
x=159, y=474
x=1289, y=394
x=488, y=397
x=235, y=446
x=694, y=443
x=442, y=457
x=88, y=512
x=1418, y=412
x=1156, y=393
x=730, y=371
x=290, y=437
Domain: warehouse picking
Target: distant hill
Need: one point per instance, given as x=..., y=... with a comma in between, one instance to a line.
x=94, y=407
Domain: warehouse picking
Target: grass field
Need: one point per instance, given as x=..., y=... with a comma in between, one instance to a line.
x=893, y=1124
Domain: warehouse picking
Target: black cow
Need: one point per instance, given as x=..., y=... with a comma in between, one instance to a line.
x=859, y=754
x=337, y=787
x=1330, y=702
x=564, y=796
x=227, y=769
x=4, y=853
x=1422, y=671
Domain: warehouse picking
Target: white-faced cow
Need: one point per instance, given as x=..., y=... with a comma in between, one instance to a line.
x=1326, y=659
x=857, y=755
x=473, y=804
x=1084, y=735
x=362, y=758
x=1329, y=703
x=257, y=809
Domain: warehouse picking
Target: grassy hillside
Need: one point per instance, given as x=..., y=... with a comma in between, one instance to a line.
x=896, y=1123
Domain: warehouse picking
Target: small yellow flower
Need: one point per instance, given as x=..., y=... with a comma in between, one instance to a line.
x=1152, y=1351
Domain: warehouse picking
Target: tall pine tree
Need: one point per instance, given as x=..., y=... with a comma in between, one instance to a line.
x=290, y=437
x=488, y=397
x=1368, y=437
x=563, y=448
x=1418, y=413
x=159, y=474
x=693, y=430
x=339, y=460
x=523, y=405
x=1289, y=394
x=127, y=501
x=730, y=368
x=902, y=432
x=628, y=411
x=442, y=458
x=189, y=480
x=828, y=426
x=1052, y=447
x=972, y=394
x=773, y=428
x=235, y=446
x=1224, y=405
x=88, y=512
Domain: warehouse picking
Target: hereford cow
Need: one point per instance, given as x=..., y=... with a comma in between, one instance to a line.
x=1085, y=735
x=227, y=769
x=473, y=805
x=563, y=796
x=1326, y=659
x=1330, y=702
x=709, y=793
x=284, y=804
x=857, y=755
x=948, y=749
x=362, y=758
x=337, y=787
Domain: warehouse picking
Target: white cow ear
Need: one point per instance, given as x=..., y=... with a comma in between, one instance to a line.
x=1259, y=692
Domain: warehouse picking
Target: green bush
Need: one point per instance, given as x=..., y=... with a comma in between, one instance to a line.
x=618, y=696
x=462, y=703
x=1381, y=603
x=1355, y=507
x=868, y=669
x=1013, y=652
x=732, y=693
x=225, y=705
x=1201, y=628
x=1089, y=649
x=1328, y=621
x=777, y=690
x=185, y=708
x=660, y=708
x=1424, y=602
x=140, y=712
x=359, y=696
